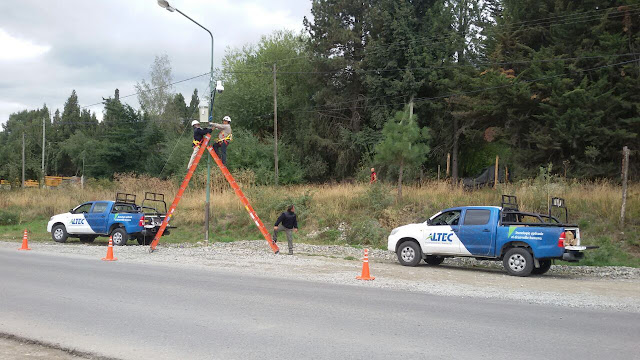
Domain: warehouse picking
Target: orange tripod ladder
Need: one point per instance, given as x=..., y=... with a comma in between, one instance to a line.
x=232, y=182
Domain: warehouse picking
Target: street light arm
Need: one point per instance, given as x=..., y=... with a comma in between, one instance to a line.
x=212, y=94
x=197, y=23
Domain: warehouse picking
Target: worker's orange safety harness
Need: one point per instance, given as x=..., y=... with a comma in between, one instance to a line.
x=205, y=144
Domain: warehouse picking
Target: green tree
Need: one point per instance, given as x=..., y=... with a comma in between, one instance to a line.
x=403, y=144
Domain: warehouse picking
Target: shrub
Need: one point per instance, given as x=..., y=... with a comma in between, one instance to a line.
x=9, y=217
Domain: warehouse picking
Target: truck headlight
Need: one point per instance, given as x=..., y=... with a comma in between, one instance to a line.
x=394, y=231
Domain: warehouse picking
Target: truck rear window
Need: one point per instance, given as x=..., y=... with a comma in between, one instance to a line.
x=477, y=217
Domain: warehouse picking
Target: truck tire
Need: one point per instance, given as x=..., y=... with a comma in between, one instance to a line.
x=119, y=236
x=434, y=260
x=87, y=239
x=409, y=253
x=545, y=265
x=59, y=233
x=518, y=262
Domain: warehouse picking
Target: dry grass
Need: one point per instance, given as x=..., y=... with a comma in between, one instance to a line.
x=370, y=213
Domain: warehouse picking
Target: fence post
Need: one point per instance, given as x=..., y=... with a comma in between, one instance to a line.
x=495, y=174
x=448, y=163
x=438, y=173
x=625, y=175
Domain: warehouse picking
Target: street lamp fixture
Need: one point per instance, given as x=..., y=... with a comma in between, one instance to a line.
x=213, y=89
x=165, y=4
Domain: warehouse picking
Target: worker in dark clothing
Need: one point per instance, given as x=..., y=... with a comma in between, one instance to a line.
x=198, y=134
x=287, y=222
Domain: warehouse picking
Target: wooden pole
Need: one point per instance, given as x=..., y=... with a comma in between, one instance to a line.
x=43, y=144
x=448, y=164
x=506, y=174
x=625, y=175
x=275, y=124
x=438, y=173
x=23, y=160
x=495, y=174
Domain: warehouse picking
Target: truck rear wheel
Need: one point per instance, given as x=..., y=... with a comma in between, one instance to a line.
x=119, y=236
x=545, y=265
x=434, y=260
x=518, y=262
x=409, y=253
x=59, y=233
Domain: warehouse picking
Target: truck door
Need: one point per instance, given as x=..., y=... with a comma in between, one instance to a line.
x=77, y=221
x=477, y=231
x=97, y=218
x=440, y=234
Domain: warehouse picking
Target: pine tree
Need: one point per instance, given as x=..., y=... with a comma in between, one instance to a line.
x=403, y=144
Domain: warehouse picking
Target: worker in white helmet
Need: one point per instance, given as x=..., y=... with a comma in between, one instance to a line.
x=223, y=139
x=198, y=134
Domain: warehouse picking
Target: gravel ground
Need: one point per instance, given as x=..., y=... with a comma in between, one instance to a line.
x=14, y=348
x=611, y=288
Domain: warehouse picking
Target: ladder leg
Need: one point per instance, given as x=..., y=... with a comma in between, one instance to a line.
x=183, y=187
x=243, y=199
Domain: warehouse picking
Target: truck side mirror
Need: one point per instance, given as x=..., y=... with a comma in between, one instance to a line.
x=429, y=222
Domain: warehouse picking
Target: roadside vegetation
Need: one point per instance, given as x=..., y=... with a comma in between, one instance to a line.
x=347, y=214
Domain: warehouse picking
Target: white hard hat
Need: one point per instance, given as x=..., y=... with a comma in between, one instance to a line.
x=226, y=118
x=195, y=122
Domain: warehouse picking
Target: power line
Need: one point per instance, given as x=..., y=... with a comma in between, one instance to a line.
x=579, y=16
x=471, y=91
x=156, y=88
x=443, y=66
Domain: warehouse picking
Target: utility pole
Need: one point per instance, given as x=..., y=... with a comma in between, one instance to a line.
x=23, y=159
x=625, y=176
x=43, y=144
x=82, y=178
x=275, y=124
x=411, y=109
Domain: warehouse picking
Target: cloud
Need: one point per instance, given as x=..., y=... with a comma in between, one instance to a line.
x=19, y=49
x=97, y=46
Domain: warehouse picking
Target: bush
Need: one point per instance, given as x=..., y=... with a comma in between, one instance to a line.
x=366, y=231
x=9, y=217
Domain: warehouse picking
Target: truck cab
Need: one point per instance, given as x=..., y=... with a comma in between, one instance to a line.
x=525, y=242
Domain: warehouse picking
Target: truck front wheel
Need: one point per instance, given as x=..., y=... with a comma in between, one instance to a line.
x=59, y=233
x=409, y=253
x=119, y=236
x=545, y=265
x=518, y=262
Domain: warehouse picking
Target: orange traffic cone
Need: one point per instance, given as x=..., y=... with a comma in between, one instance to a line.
x=365, y=267
x=110, y=251
x=25, y=241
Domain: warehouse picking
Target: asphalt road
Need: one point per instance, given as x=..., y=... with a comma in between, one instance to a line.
x=137, y=311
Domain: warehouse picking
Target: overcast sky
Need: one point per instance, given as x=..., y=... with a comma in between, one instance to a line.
x=49, y=47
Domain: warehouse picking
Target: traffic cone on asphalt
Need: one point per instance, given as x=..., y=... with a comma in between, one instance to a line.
x=110, y=251
x=365, y=267
x=25, y=241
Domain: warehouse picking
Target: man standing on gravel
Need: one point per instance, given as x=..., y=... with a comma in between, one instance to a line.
x=288, y=223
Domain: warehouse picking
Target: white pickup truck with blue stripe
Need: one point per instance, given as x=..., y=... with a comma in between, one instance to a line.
x=121, y=219
x=525, y=242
